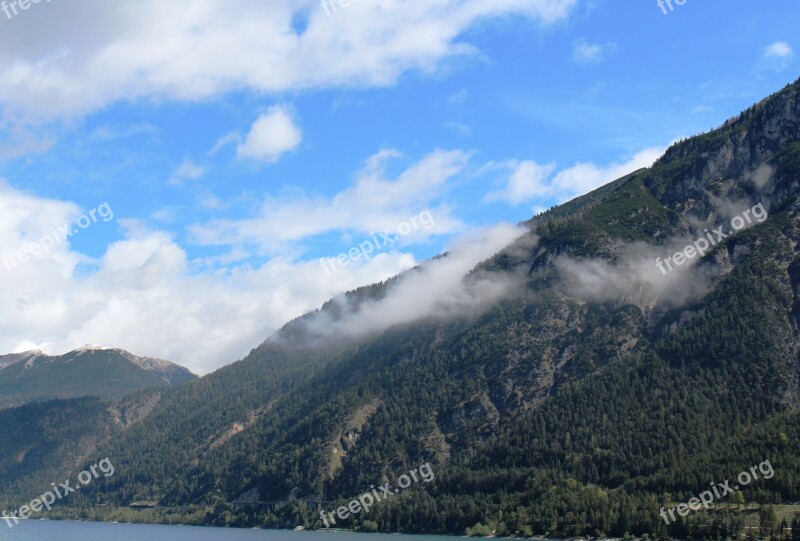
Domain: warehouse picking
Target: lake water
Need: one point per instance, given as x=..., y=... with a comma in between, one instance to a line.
x=45, y=530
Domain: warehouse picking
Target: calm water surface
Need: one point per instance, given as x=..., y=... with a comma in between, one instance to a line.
x=46, y=530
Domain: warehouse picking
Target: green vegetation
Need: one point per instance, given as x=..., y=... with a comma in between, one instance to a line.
x=547, y=414
x=99, y=373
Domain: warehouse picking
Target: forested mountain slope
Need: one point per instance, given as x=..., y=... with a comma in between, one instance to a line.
x=569, y=386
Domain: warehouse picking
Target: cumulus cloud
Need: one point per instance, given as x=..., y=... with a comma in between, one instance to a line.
x=98, y=52
x=529, y=180
x=147, y=297
x=188, y=170
x=777, y=56
x=374, y=203
x=271, y=135
x=25, y=219
x=585, y=177
x=779, y=49
x=584, y=52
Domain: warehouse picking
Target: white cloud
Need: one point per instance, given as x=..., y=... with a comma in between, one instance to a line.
x=188, y=170
x=777, y=56
x=63, y=60
x=109, y=131
x=18, y=140
x=779, y=49
x=147, y=297
x=225, y=140
x=270, y=136
x=701, y=109
x=584, y=52
x=372, y=204
x=529, y=180
x=164, y=214
x=585, y=177
x=211, y=202
x=462, y=130
x=438, y=289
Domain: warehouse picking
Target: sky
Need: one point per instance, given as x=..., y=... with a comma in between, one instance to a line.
x=180, y=179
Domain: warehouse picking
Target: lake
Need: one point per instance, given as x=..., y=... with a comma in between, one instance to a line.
x=39, y=530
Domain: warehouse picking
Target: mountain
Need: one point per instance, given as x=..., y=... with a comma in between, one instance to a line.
x=88, y=371
x=571, y=384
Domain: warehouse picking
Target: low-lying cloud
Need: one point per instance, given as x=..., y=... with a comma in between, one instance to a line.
x=635, y=276
x=439, y=289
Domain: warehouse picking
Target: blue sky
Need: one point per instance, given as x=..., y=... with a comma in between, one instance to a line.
x=238, y=145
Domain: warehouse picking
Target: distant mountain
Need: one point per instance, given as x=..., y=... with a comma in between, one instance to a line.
x=88, y=371
x=565, y=386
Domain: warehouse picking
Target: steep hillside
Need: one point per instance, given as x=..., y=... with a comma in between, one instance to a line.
x=568, y=385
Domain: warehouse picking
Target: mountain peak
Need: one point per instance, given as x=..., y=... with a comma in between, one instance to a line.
x=99, y=370
x=93, y=347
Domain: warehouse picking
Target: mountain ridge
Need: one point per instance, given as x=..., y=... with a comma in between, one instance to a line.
x=592, y=392
x=87, y=371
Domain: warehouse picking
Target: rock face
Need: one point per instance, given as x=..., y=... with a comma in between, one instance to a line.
x=595, y=388
x=747, y=155
x=170, y=372
x=27, y=358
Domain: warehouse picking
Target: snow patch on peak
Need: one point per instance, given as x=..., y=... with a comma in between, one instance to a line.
x=93, y=347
